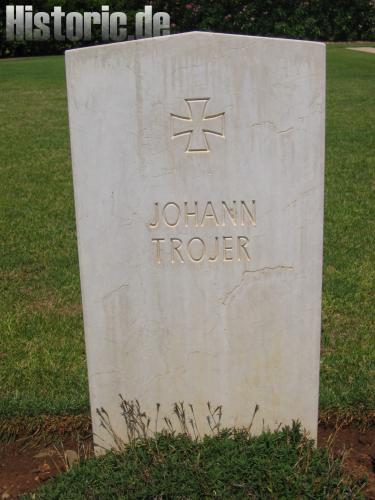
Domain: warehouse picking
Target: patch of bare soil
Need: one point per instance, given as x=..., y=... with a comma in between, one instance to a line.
x=358, y=450
x=24, y=467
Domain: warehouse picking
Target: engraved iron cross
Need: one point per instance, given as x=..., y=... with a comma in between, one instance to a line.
x=197, y=125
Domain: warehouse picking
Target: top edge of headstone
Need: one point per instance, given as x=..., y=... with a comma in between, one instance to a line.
x=189, y=34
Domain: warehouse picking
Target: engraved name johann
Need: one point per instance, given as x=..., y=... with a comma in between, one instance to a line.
x=197, y=126
x=227, y=217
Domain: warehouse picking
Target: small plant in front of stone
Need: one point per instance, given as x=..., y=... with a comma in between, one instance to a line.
x=138, y=423
x=186, y=463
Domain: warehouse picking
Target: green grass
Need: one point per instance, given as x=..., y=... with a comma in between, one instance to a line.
x=42, y=360
x=277, y=465
x=348, y=341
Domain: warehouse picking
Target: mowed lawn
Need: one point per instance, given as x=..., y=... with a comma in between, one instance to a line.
x=42, y=356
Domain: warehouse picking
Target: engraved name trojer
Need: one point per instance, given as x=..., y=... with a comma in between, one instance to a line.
x=227, y=217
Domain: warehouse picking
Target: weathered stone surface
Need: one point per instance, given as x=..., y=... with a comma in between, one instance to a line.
x=198, y=174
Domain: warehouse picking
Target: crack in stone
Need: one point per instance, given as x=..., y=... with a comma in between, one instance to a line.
x=290, y=129
x=303, y=194
x=229, y=295
x=109, y=372
x=273, y=125
x=107, y=295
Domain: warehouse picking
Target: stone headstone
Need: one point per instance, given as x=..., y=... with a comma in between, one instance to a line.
x=198, y=164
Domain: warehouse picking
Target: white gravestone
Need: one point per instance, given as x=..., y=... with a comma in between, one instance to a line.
x=198, y=164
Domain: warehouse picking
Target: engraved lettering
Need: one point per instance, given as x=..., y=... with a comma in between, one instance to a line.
x=231, y=211
x=191, y=214
x=226, y=248
x=158, y=241
x=216, y=253
x=176, y=244
x=156, y=223
x=210, y=214
x=171, y=222
x=202, y=253
x=251, y=214
x=202, y=246
x=242, y=242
